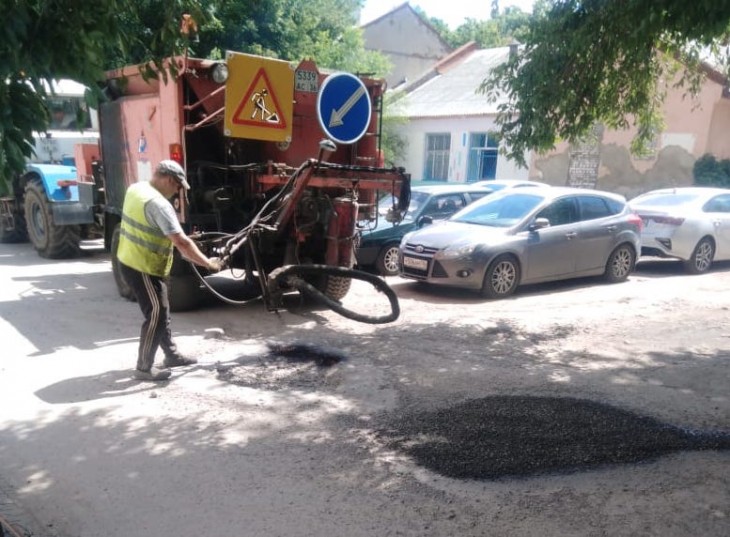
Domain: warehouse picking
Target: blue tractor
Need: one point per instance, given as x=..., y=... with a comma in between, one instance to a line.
x=48, y=204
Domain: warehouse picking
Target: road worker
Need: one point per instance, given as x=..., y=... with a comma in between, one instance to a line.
x=149, y=231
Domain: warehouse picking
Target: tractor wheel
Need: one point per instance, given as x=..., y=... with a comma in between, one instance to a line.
x=125, y=290
x=19, y=231
x=49, y=240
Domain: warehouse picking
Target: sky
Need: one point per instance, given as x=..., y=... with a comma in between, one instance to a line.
x=452, y=12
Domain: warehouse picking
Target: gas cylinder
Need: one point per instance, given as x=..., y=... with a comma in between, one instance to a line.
x=341, y=233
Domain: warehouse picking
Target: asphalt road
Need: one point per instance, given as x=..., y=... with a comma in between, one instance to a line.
x=575, y=408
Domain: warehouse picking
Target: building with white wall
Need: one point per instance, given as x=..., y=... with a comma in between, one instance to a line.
x=449, y=126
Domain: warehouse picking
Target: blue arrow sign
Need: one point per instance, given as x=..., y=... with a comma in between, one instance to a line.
x=343, y=108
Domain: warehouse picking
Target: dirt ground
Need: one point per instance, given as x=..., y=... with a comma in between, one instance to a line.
x=572, y=409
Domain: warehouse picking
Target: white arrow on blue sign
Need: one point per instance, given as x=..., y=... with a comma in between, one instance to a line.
x=344, y=108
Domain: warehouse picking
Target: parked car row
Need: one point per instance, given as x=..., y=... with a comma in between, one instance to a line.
x=379, y=244
x=511, y=236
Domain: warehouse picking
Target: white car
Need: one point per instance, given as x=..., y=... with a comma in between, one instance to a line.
x=691, y=224
x=502, y=184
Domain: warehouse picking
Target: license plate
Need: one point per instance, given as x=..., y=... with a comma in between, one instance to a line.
x=415, y=262
x=306, y=81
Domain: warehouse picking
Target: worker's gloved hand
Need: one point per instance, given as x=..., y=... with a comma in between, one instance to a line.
x=216, y=264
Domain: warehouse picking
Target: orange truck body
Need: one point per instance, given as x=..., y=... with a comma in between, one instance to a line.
x=184, y=118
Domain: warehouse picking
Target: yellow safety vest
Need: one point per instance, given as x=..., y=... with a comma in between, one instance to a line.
x=142, y=246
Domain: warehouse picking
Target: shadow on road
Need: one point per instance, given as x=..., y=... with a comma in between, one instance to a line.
x=645, y=270
x=109, y=384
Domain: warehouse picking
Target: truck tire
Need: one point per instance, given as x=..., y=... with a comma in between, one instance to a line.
x=184, y=293
x=49, y=240
x=18, y=234
x=124, y=289
x=335, y=287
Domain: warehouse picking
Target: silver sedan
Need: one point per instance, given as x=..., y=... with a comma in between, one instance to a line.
x=691, y=224
x=528, y=235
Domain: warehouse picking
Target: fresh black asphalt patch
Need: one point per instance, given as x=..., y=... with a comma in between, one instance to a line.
x=300, y=366
x=306, y=352
x=502, y=436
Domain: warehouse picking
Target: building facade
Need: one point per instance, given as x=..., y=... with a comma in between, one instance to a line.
x=451, y=134
x=411, y=44
x=694, y=126
x=450, y=127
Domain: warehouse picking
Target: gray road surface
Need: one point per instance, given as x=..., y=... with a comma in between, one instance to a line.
x=250, y=444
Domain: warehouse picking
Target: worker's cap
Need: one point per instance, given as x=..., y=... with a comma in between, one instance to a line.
x=174, y=170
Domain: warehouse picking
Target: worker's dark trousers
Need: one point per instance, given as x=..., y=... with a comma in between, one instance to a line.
x=151, y=293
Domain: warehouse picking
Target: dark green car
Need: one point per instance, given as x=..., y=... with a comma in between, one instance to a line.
x=379, y=244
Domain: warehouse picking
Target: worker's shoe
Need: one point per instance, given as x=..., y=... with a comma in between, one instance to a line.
x=178, y=360
x=153, y=374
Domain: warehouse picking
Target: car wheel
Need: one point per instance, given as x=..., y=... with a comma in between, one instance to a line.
x=702, y=256
x=620, y=264
x=502, y=277
x=388, y=263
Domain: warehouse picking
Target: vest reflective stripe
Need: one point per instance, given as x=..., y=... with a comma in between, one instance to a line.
x=147, y=229
x=142, y=246
x=162, y=250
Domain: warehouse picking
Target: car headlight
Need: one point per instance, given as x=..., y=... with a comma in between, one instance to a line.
x=454, y=252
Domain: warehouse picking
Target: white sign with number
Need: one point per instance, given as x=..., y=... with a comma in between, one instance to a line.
x=306, y=81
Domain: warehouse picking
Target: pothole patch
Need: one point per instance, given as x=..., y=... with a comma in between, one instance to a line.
x=494, y=437
x=301, y=366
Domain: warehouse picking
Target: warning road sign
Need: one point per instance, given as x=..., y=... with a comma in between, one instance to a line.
x=259, y=98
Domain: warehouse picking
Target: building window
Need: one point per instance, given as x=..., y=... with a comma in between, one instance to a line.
x=438, y=147
x=483, y=148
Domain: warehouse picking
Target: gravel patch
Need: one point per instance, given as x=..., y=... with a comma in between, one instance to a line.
x=500, y=436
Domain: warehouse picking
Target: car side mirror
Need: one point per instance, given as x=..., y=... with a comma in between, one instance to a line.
x=424, y=221
x=538, y=224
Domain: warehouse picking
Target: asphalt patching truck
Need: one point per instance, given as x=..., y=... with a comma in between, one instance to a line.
x=284, y=162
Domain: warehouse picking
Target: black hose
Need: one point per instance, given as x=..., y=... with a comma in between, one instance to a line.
x=291, y=276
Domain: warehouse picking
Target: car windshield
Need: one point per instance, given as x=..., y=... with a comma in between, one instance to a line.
x=417, y=201
x=493, y=186
x=665, y=200
x=504, y=211
x=385, y=203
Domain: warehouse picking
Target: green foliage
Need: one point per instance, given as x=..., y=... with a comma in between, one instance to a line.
x=43, y=40
x=501, y=29
x=498, y=31
x=708, y=171
x=49, y=39
x=323, y=30
x=588, y=61
x=393, y=143
x=437, y=24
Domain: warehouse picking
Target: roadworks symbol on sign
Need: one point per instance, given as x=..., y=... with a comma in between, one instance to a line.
x=259, y=106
